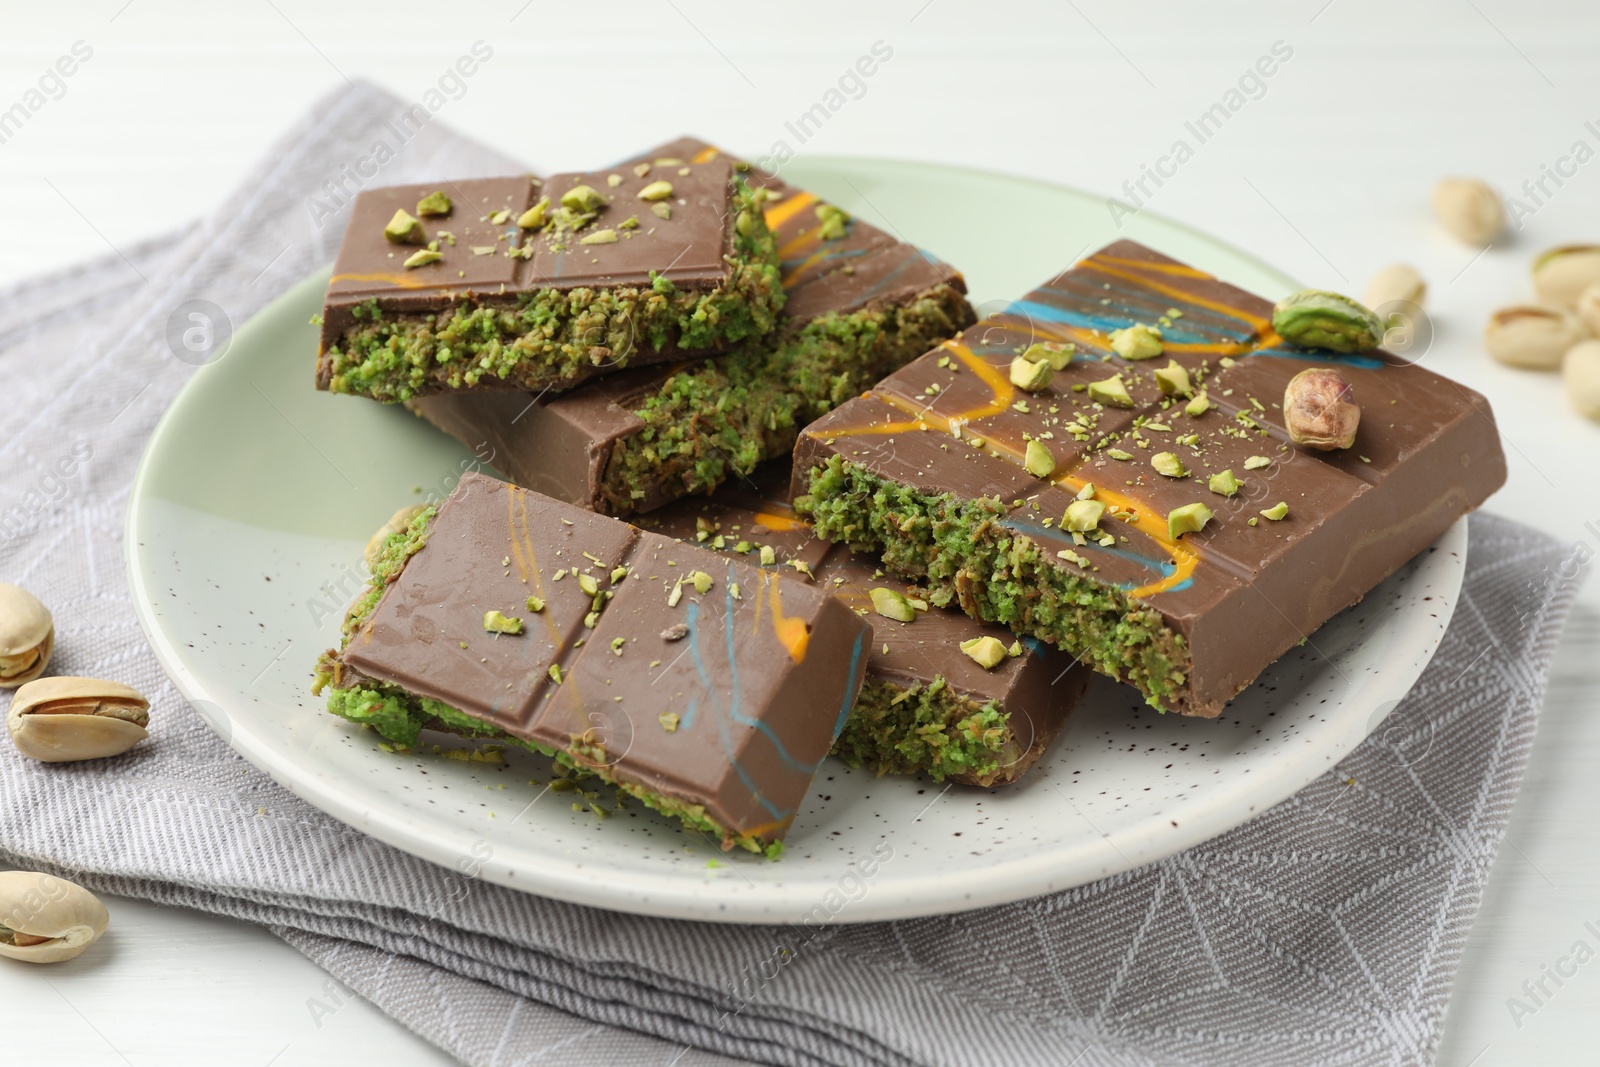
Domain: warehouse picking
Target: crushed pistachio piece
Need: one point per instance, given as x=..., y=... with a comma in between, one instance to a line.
x=669, y=721
x=587, y=583
x=590, y=620
x=1112, y=392
x=892, y=605
x=1083, y=515
x=1030, y=376
x=1173, y=379
x=655, y=191
x=986, y=651
x=1190, y=518
x=496, y=623
x=833, y=221
x=1255, y=463
x=421, y=258
x=1038, y=461
x=435, y=204
x=1223, y=483
x=661, y=210
x=701, y=581
x=1169, y=464
x=582, y=198
x=1198, y=406
x=1054, y=355
x=1137, y=342
x=535, y=216
x=599, y=237
x=676, y=595
x=1086, y=493
x=617, y=574
x=555, y=676
x=767, y=556
x=1117, y=453
x=535, y=605
x=404, y=229
x=1277, y=512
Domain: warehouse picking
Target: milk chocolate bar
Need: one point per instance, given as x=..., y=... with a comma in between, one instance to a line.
x=1069, y=513
x=522, y=283
x=703, y=684
x=860, y=304
x=926, y=705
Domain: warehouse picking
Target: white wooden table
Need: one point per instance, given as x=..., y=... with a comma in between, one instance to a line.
x=1323, y=168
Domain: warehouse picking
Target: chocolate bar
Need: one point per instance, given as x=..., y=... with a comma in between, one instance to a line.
x=706, y=686
x=518, y=283
x=1149, y=515
x=859, y=305
x=926, y=705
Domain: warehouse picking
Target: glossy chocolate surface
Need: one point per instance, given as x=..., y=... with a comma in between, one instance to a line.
x=1427, y=452
x=759, y=669
x=559, y=444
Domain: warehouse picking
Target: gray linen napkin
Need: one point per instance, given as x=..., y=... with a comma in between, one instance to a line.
x=1326, y=930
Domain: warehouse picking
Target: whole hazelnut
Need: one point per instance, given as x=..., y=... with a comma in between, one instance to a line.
x=1320, y=410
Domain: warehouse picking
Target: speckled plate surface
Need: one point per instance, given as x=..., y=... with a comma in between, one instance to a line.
x=257, y=494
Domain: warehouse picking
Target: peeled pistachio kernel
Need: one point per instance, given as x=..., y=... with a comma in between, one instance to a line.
x=1580, y=371
x=534, y=217
x=59, y=720
x=1562, y=274
x=44, y=919
x=1588, y=309
x=1083, y=516
x=654, y=191
x=1223, y=483
x=1320, y=410
x=421, y=258
x=1111, y=392
x=987, y=652
x=892, y=605
x=1056, y=355
x=1038, y=461
x=1173, y=379
x=1277, y=512
x=1191, y=518
x=1531, y=336
x=584, y=198
x=1316, y=318
x=27, y=636
x=435, y=204
x=1028, y=376
x=1137, y=342
x=397, y=523
x=404, y=229
x=1469, y=209
x=496, y=623
x=1168, y=464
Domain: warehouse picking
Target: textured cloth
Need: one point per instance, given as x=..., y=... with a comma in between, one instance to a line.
x=1325, y=930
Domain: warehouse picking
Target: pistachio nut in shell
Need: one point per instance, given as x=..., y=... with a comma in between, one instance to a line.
x=1562, y=274
x=1316, y=318
x=1589, y=309
x=27, y=636
x=59, y=720
x=1581, y=373
x=397, y=522
x=44, y=919
x=1531, y=336
x=1320, y=410
x=1395, y=295
x=1469, y=209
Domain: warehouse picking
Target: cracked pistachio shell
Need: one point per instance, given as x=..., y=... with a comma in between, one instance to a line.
x=1580, y=371
x=56, y=918
x=27, y=636
x=397, y=522
x=59, y=720
x=1469, y=209
x=1531, y=336
x=1316, y=318
x=1562, y=274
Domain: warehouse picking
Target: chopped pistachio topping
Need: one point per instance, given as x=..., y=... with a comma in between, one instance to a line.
x=1112, y=392
x=1083, y=515
x=1255, y=463
x=892, y=605
x=617, y=643
x=587, y=583
x=535, y=216
x=661, y=210
x=422, y=257
x=1117, y=453
x=582, y=198
x=1276, y=512
x=590, y=620
x=1198, y=406
x=676, y=595
x=701, y=580
x=834, y=221
x=496, y=623
x=1137, y=342
x=1038, y=461
x=535, y=605
x=599, y=237
x=767, y=556
x=669, y=721
x=617, y=574
x=1056, y=356
x=435, y=204
x=657, y=190
x=1173, y=380
x=1086, y=493
x=987, y=652
x=1223, y=483
x=555, y=673
x=404, y=229
x=1169, y=464
x=1015, y=650
x=1190, y=518
x=1030, y=376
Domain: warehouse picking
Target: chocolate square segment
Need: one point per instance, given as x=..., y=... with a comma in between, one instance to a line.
x=930, y=468
x=706, y=684
x=645, y=268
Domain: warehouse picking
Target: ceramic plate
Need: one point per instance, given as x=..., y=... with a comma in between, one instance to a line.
x=258, y=493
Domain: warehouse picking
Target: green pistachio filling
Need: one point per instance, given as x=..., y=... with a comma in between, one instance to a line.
x=723, y=416
x=965, y=554
x=928, y=728
x=550, y=337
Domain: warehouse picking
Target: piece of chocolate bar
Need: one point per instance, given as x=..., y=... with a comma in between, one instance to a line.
x=859, y=305
x=926, y=706
x=1136, y=499
x=518, y=283
x=705, y=685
